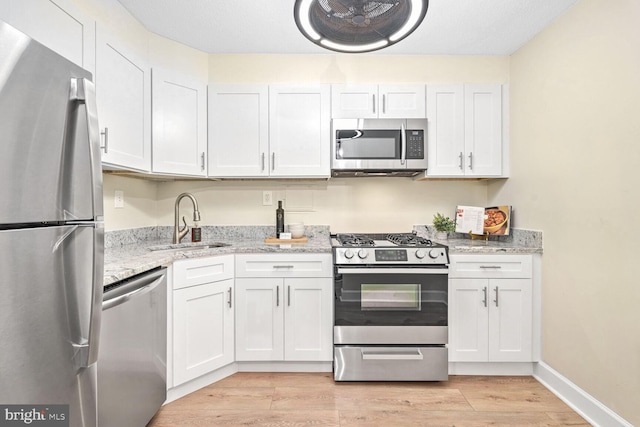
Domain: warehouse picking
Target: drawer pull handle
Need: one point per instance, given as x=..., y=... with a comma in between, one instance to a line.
x=495, y=267
x=282, y=266
x=379, y=355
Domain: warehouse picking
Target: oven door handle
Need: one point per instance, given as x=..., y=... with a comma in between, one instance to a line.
x=412, y=354
x=393, y=270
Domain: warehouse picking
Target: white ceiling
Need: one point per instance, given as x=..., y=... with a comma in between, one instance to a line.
x=451, y=27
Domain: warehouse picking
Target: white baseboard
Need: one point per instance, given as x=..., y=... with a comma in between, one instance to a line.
x=579, y=400
x=491, y=368
x=285, y=366
x=182, y=390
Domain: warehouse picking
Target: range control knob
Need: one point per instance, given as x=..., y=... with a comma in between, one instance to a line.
x=420, y=254
x=348, y=254
x=362, y=253
x=434, y=253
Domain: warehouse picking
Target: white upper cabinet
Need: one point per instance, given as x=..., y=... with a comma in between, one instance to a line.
x=179, y=134
x=57, y=24
x=390, y=101
x=123, y=91
x=269, y=131
x=299, y=131
x=465, y=132
x=238, y=130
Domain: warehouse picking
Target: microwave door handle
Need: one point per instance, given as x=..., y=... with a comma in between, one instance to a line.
x=403, y=144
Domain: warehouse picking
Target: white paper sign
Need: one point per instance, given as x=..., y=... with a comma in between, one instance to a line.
x=470, y=219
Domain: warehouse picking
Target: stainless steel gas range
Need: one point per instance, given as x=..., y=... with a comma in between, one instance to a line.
x=390, y=296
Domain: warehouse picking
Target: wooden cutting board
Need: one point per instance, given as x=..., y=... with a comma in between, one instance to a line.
x=302, y=239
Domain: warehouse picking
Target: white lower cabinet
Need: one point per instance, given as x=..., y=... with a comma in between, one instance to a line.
x=203, y=316
x=490, y=308
x=287, y=314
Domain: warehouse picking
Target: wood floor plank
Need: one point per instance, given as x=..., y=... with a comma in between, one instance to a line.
x=225, y=398
x=376, y=396
x=444, y=419
x=314, y=399
x=503, y=399
x=275, y=379
x=262, y=418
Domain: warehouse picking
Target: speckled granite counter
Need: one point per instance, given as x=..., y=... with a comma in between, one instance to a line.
x=519, y=242
x=131, y=252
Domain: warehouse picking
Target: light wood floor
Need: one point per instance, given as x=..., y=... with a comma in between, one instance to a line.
x=305, y=399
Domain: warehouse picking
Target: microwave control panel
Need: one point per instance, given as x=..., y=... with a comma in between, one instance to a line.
x=415, y=144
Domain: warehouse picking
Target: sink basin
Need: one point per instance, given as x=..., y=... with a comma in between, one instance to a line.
x=188, y=246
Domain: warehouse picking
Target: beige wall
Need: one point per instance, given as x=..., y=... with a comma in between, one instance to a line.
x=575, y=155
x=360, y=204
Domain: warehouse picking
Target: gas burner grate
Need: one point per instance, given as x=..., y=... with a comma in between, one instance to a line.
x=408, y=240
x=355, y=240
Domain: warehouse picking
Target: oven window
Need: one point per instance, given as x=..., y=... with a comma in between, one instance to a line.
x=390, y=297
x=393, y=299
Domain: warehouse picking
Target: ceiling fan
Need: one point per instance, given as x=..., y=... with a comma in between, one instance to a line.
x=354, y=26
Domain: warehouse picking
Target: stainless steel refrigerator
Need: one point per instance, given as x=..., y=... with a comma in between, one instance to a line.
x=51, y=234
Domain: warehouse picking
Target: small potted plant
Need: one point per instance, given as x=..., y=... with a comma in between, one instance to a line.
x=443, y=225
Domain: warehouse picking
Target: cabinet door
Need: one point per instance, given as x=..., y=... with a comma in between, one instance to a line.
x=445, y=146
x=483, y=130
x=308, y=326
x=179, y=136
x=468, y=320
x=299, y=130
x=57, y=24
x=203, y=327
x=238, y=131
x=259, y=319
x=123, y=91
x=403, y=101
x=354, y=101
x=510, y=320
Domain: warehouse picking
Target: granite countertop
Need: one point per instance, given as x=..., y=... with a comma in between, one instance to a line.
x=518, y=242
x=131, y=252
x=135, y=254
x=468, y=246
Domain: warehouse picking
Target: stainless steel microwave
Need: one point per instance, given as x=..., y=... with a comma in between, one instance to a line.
x=370, y=147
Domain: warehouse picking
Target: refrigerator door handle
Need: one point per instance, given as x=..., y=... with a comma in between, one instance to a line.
x=84, y=91
x=88, y=299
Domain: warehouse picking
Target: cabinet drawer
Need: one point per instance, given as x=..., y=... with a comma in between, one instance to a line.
x=192, y=272
x=491, y=266
x=284, y=265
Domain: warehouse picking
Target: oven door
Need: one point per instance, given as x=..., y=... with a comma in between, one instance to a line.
x=391, y=305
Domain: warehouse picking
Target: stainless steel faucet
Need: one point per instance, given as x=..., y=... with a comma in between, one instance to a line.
x=179, y=233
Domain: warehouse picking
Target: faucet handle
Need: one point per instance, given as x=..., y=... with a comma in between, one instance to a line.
x=184, y=221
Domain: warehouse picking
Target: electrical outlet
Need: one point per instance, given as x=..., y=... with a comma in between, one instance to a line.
x=118, y=200
x=267, y=198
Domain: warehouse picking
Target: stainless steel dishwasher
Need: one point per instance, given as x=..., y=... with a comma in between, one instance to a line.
x=133, y=350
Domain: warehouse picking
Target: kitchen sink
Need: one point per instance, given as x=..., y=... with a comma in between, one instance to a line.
x=188, y=246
